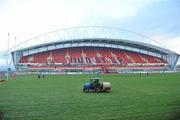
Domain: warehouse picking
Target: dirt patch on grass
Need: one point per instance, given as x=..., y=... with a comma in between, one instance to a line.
x=1, y=81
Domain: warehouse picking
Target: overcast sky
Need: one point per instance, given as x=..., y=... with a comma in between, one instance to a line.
x=157, y=19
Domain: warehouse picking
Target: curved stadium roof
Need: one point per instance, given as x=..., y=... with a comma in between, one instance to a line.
x=95, y=36
x=99, y=34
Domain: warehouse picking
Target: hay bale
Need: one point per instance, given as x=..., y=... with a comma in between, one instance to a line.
x=106, y=86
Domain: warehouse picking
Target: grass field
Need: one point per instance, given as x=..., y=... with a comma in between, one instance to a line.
x=56, y=97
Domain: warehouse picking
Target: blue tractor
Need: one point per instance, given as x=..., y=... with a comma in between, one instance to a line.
x=95, y=85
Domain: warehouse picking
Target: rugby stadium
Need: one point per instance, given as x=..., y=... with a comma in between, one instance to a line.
x=92, y=48
x=54, y=73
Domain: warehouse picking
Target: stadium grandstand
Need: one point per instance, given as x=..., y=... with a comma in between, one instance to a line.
x=92, y=48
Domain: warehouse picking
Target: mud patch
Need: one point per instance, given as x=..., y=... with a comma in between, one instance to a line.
x=1, y=81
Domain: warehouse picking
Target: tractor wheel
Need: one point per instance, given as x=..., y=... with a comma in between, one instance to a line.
x=85, y=90
x=97, y=89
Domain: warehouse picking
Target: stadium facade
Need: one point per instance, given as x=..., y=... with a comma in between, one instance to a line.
x=92, y=47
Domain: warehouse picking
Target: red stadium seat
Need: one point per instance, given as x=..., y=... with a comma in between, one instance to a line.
x=92, y=56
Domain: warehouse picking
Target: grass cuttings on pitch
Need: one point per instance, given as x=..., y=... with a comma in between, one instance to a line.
x=133, y=97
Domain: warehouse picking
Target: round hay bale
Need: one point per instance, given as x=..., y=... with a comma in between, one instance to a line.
x=106, y=86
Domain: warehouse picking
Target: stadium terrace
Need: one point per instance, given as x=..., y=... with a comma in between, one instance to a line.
x=92, y=48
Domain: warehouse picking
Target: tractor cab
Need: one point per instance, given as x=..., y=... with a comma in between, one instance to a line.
x=94, y=81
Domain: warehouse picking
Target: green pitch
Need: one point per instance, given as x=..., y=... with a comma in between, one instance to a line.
x=56, y=97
